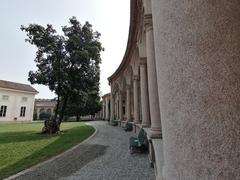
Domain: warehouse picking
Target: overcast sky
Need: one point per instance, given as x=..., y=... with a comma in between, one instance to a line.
x=109, y=17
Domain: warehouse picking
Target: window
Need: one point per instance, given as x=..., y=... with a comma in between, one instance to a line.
x=3, y=111
x=23, y=111
x=5, y=97
x=24, y=99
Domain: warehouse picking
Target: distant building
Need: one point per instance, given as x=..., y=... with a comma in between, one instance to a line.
x=44, y=106
x=16, y=101
x=105, y=112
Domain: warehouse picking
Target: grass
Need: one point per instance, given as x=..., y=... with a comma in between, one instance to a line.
x=21, y=145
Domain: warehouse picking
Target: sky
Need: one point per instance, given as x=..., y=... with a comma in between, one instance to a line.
x=109, y=17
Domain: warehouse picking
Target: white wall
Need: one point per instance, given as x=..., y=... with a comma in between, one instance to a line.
x=14, y=104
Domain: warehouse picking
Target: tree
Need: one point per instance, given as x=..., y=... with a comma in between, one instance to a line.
x=84, y=60
x=67, y=64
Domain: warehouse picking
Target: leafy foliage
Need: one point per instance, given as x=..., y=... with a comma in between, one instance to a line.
x=69, y=65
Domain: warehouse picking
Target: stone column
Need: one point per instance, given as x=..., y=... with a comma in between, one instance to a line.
x=112, y=107
x=117, y=110
x=103, y=109
x=136, y=100
x=120, y=106
x=144, y=95
x=152, y=80
x=198, y=68
x=128, y=103
x=107, y=108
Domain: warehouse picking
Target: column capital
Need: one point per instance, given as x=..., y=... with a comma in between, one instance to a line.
x=147, y=20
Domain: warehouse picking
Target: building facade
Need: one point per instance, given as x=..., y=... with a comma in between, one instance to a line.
x=105, y=112
x=16, y=101
x=44, y=106
x=179, y=80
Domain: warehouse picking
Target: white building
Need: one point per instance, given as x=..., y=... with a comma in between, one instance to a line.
x=16, y=101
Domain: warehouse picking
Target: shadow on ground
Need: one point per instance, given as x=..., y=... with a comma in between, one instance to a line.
x=70, y=138
x=67, y=164
x=15, y=137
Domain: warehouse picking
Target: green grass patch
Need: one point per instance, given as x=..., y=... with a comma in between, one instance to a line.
x=21, y=145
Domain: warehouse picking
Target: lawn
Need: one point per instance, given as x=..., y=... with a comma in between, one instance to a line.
x=21, y=145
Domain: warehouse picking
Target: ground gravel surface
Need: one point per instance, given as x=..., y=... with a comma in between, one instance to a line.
x=105, y=156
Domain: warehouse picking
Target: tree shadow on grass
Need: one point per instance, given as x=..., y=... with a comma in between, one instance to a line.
x=15, y=137
x=64, y=165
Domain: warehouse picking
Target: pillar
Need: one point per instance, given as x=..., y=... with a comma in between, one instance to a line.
x=112, y=107
x=144, y=95
x=198, y=68
x=136, y=100
x=128, y=103
x=152, y=80
x=103, y=109
x=107, y=108
x=120, y=106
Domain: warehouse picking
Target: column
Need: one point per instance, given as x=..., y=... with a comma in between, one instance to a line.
x=144, y=95
x=116, y=104
x=152, y=80
x=128, y=103
x=120, y=106
x=107, y=108
x=198, y=68
x=112, y=107
x=103, y=109
x=136, y=100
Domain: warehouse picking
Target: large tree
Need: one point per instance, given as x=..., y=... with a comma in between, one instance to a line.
x=84, y=59
x=68, y=64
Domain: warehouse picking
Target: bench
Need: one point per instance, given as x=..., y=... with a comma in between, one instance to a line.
x=139, y=143
x=114, y=123
x=128, y=126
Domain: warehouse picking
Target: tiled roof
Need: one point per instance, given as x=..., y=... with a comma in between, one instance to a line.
x=17, y=86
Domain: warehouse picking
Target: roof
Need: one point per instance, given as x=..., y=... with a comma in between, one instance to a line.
x=45, y=103
x=17, y=86
x=45, y=100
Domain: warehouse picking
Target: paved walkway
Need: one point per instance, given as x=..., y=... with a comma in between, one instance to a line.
x=103, y=157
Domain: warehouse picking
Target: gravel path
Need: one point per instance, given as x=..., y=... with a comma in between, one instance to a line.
x=103, y=157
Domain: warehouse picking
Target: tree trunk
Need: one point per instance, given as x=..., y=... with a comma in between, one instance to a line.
x=63, y=109
x=51, y=126
x=78, y=117
x=57, y=108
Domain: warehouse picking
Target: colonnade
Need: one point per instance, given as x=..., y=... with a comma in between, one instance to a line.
x=105, y=112
x=180, y=77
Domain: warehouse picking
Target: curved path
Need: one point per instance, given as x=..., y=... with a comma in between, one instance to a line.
x=105, y=156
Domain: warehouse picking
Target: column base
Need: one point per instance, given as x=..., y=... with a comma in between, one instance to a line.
x=155, y=134
x=146, y=125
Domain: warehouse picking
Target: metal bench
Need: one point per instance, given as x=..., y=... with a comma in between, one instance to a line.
x=139, y=143
x=128, y=126
x=114, y=123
